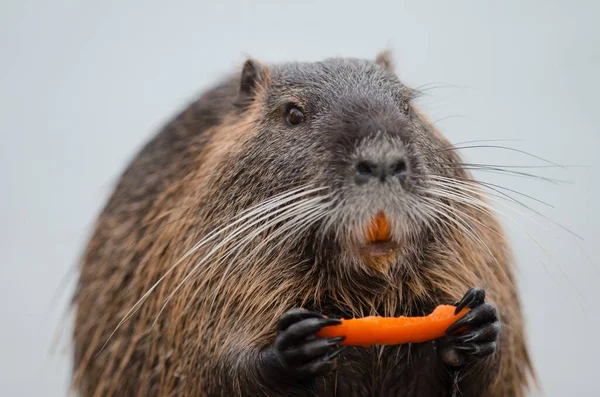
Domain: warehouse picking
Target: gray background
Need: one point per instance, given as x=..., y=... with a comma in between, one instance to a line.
x=83, y=84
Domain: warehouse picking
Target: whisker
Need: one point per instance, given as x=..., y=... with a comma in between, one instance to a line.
x=479, y=239
x=508, y=166
x=244, y=215
x=294, y=184
x=468, y=229
x=462, y=182
x=544, y=249
x=488, y=184
x=452, y=116
x=512, y=199
x=526, y=175
x=240, y=264
x=465, y=198
x=299, y=212
x=293, y=227
x=446, y=191
x=223, y=243
x=436, y=85
x=471, y=201
x=455, y=147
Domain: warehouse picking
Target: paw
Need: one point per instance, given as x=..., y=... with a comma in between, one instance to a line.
x=300, y=352
x=475, y=335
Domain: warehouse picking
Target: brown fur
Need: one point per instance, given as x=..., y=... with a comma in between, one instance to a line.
x=170, y=197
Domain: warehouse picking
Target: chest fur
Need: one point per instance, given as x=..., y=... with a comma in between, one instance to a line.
x=411, y=370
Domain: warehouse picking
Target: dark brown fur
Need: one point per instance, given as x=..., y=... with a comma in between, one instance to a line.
x=182, y=185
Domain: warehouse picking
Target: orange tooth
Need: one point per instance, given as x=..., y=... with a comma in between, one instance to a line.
x=379, y=229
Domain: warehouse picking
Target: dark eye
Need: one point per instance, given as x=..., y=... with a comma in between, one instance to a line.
x=406, y=107
x=294, y=115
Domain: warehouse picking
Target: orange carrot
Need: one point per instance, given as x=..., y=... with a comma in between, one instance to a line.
x=374, y=330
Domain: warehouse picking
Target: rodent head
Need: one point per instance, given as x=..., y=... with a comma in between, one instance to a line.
x=346, y=131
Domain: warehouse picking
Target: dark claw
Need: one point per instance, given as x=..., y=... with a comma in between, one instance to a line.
x=334, y=353
x=321, y=366
x=477, y=350
x=473, y=298
x=299, y=352
x=484, y=313
x=295, y=315
x=310, y=350
x=485, y=333
x=481, y=335
x=295, y=333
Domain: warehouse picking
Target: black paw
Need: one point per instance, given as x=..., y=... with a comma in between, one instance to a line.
x=475, y=335
x=300, y=352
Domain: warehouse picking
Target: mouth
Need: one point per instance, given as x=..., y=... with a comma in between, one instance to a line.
x=379, y=250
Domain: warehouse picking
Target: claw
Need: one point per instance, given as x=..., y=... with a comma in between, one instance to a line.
x=484, y=313
x=294, y=316
x=478, y=350
x=298, y=350
x=336, y=340
x=486, y=333
x=472, y=298
x=310, y=351
x=334, y=354
x=297, y=332
x=475, y=335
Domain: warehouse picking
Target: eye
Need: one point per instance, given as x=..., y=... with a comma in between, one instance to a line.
x=294, y=115
x=406, y=107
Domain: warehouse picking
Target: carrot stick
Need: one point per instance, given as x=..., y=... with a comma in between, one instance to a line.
x=375, y=330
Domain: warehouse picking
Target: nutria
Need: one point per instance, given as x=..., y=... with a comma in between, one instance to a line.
x=241, y=230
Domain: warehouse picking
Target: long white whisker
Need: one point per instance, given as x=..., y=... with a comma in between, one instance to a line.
x=476, y=203
x=223, y=243
x=307, y=216
x=456, y=147
x=537, y=242
x=493, y=187
x=300, y=213
x=300, y=223
x=461, y=194
x=518, y=174
x=484, y=207
x=300, y=210
x=244, y=215
x=463, y=184
x=473, y=233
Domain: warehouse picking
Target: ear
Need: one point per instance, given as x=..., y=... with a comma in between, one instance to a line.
x=253, y=75
x=384, y=59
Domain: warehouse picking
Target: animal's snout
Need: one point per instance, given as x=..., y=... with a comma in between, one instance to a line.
x=381, y=168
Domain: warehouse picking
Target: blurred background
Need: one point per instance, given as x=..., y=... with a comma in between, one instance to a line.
x=84, y=84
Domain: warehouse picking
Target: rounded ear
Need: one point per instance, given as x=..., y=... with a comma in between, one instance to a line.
x=384, y=59
x=253, y=74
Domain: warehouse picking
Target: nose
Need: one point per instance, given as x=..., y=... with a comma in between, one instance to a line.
x=380, y=169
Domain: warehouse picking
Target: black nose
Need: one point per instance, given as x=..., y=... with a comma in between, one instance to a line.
x=367, y=170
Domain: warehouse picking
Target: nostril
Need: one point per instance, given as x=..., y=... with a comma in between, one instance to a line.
x=365, y=171
x=399, y=167
x=365, y=168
